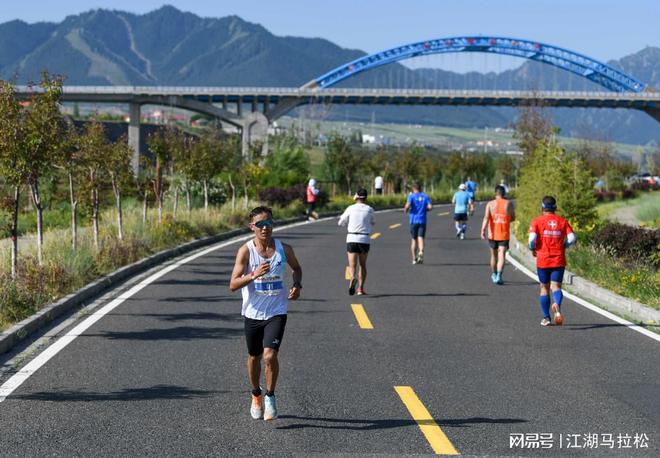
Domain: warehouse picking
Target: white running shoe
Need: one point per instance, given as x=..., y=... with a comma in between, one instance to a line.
x=420, y=257
x=270, y=412
x=257, y=406
x=546, y=322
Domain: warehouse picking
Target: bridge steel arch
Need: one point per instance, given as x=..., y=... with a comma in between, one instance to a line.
x=581, y=65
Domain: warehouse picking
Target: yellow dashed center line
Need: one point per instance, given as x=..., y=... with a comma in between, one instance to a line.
x=394, y=226
x=434, y=435
x=347, y=273
x=361, y=316
x=443, y=214
x=375, y=235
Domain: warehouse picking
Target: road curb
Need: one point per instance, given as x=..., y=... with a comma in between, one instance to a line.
x=599, y=296
x=18, y=332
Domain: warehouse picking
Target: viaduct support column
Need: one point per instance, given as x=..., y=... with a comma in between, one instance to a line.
x=134, y=135
x=255, y=130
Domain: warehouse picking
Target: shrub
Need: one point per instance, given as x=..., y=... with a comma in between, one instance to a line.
x=603, y=196
x=632, y=244
x=628, y=194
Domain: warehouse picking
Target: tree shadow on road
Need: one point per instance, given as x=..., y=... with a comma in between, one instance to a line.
x=426, y=295
x=220, y=281
x=126, y=394
x=182, y=333
x=184, y=316
x=368, y=425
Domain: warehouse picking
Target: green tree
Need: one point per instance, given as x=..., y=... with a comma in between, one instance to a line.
x=159, y=147
x=120, y=173
x=93, y=146
x=552, y=171
x=287, y=164
x=13, y=164
x=69, y=160
x=340, y=163
x=408, y=164
x=507, y=169
x=44, y=131
x=532, y=127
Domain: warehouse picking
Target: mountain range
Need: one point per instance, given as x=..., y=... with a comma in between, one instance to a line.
x=171, y=47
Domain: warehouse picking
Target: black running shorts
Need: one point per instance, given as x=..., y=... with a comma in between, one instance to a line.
x=264, y=333
x=460, y=216
x=418, y=230
x=495, y=244
x=359, y=248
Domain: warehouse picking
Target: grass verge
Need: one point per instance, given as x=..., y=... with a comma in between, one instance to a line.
x=636, y=282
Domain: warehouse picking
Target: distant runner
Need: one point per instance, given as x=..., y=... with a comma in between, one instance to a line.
x=496, y=227
x=259, y=273
x=549, y=236
x=471, y=188
x=461, y=201
x=418, y=204
x=359, y=219
x=312, y=192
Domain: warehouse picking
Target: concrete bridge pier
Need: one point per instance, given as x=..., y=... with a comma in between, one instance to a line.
x=134, y=135
x=255, y=129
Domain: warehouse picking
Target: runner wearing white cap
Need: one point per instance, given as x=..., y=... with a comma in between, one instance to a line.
x=359, y=219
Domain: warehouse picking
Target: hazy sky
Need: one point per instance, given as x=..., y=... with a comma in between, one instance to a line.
x=601, y=29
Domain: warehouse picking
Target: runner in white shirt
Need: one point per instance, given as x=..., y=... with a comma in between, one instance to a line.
x=359, y=219
x=259, y=273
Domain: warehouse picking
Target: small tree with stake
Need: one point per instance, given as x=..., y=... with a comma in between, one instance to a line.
x=13, y=165
x=44, y=131
x=120, y=173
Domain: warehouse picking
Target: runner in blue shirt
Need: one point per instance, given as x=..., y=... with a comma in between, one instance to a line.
x=417, y=204
x=471, y=188
x=461, y=201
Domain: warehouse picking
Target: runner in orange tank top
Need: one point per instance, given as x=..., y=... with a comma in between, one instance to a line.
x=496, y=227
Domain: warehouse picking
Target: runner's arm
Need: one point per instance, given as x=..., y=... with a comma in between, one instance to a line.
x=570, y=237
x=343, y=219
x=294, y=292
x=484, y=223
x=238, y=278
x=512, y=210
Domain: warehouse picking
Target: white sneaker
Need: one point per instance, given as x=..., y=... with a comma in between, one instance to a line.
x=270, y=412
x=257, y=406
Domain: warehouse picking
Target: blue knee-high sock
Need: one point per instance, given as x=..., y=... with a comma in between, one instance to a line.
x=463, y=227
x=545, y=305
x=557, y=297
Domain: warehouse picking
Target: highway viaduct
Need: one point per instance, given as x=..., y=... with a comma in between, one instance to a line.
x=265, y=105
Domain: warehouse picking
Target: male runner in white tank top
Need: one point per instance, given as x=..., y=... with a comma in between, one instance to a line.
x=259, y=273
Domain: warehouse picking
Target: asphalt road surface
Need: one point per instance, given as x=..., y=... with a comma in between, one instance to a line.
x=453, y=363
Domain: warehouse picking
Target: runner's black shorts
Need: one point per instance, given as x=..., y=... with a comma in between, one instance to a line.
x=418, y=230
x=460, y=216
x=359, y=248
x=264, y=333
x=495, y=244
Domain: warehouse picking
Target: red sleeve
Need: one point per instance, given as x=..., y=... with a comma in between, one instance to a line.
x=569, y=229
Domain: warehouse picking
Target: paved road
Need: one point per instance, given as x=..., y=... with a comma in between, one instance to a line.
x=163, y=374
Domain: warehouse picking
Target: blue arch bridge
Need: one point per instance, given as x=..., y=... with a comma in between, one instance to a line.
x=620, y=90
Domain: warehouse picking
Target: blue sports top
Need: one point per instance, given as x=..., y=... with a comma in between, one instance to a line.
x=461, y=199
x=418, y=202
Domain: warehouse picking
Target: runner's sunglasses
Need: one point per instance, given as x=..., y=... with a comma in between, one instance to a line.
x=263, y=223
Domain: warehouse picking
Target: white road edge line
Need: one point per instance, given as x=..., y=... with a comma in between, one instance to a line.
x=589, y=305
x=33, y=366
